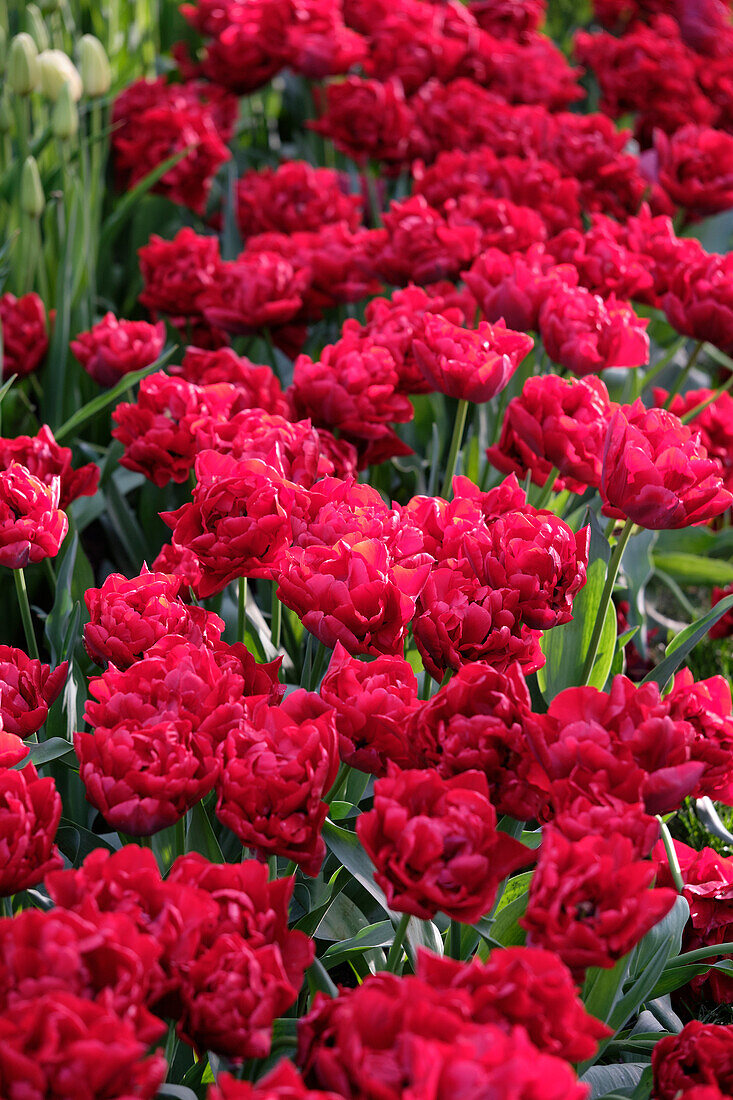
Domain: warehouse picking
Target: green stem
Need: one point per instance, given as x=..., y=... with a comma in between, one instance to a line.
x=242, y=609
x=455, y=445
x=272, y=867
x=658, y=367
x=25, y=612
x=374, y=209
x=697, y=409
x=276, y=618
x=23, y=126
x=544, y=498
x=682, y=377
x=7, y=910
x=454, y=939
x=674, y=863
x=394, y=959
x=341, y=780
x=611, y=574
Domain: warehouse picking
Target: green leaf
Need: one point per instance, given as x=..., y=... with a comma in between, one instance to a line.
x=423, y=933
x=76, y=842
x=566, y=646
x=692, y=569
x=179, y=1091
x=610, y=1079
x=55, y=748
x=684, y=642
x=347, y=848
x=505, y=928
x=677, y=976
x=109, y=397
x=125, y=207
x=342, y=920
x=515, y=888
x=710, y=818
x=200, y=836
x=644, y=1088
x=374, y=935
x=612, y=998
x=319, y=980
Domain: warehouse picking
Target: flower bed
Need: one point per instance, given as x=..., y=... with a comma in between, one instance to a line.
x=366, y=475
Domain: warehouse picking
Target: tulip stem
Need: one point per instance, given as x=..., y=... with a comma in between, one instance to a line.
x=394, y=959
x=682, y=377
x=674, y=863
x=697, y=409
x=242, y=609
x=455, y=445
x=660, y=365
x=276, y=618
x=25, y=613
x=544, y=498
x=611, y=574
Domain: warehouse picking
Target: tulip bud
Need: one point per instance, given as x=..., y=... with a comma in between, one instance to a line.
x=32, y=199
x=6, y=114
x=57, y=70
x=35, y=26
x=65, y=116
x=95, y=71
x=23, y=72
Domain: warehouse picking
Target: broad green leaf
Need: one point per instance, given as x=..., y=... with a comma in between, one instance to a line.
x=347, y=848
x=615, y=1000
x=125, y=207
x=76, y=842
x=514, y=888
x=110, y=397
x=374, y=935
x=55, y=748
x=505, y=928
x=694, y=569
x=566, y=646
x=684, y=642
x=710, y=818
x=200, y=836
x=605, y=1080
x=423, y=933
x=677, y=976
x=342, y=920
x=318, y=979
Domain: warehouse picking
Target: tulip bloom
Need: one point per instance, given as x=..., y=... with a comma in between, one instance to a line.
x=472, y=365
x=656, y=473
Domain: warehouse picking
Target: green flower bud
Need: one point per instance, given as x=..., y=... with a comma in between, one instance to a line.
x=6, y=114
x=36, y=27
x=32, y=199
x=65, y=117
x=22, y=71
x=57, y=70
x=95, y=71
